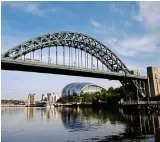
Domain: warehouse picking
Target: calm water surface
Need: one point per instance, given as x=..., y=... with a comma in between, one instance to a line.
x=79, y=125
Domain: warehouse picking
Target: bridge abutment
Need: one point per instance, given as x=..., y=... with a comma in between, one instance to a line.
x=153, y=82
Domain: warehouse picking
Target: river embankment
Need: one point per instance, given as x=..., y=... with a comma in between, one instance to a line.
x=11, y=105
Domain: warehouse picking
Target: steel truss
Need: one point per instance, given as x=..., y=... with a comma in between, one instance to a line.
x=78, y=41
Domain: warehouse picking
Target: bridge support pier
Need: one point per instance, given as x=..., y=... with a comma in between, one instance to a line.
x=132, y=91
x=153, y=81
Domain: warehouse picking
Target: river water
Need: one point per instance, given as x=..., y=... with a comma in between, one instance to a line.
x=20, y=124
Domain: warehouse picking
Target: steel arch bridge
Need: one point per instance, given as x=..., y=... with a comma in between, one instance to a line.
x=81, y=56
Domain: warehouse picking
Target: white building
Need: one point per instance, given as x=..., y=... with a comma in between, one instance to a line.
x=51, y=97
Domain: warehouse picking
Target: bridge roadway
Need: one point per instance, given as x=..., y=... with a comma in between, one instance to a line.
x=19, y=65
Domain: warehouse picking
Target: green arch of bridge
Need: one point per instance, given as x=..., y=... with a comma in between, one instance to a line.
x=74, y=40
x=70, y=39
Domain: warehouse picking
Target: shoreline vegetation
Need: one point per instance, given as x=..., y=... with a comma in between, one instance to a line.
x=12, y=103
x=110, y=96
x=106, y=98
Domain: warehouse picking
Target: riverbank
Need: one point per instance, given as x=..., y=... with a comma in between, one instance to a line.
x=126, y=108
x=97, y=105
x=12, y=105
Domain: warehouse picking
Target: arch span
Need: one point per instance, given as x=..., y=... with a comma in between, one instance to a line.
x=70, y=39
x=75, y=40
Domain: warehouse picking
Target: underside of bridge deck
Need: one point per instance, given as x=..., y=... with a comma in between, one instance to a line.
x=63, y=70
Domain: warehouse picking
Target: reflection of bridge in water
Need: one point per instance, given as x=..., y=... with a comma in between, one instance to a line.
x=136, y=127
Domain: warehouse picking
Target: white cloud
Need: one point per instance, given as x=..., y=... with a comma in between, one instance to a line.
x=102, y=28
x=96, y=24
x=130, y=46
x=30, y=7
x=116, y=9
x=149, y=14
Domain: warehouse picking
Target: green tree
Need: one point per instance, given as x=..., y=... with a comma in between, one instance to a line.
x=111, y=90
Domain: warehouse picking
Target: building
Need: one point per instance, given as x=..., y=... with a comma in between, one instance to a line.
x=28, y=100
x=153, y=79
x=49, y=97
x=53, y=97
x=80, y=88
x=135, y=72
x=31, y=100
x=43, y=97
x=56, y=97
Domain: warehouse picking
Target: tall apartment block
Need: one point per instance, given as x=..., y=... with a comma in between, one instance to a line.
x=31, y=100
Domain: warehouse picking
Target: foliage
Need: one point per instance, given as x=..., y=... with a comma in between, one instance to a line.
x=16, y=102
x=110, y=96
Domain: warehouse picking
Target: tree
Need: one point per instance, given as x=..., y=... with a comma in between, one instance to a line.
x=122, y=92
x=111, y=90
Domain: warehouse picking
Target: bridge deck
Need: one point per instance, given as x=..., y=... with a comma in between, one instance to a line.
x=19, y=65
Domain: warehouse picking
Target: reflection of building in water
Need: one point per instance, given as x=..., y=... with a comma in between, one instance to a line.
x=71, y=119
x=31, y=100
x=137, y=125
x=43, y=113
x=50, y=113
x=56, y=114
x=78, y=118
x=30, y=112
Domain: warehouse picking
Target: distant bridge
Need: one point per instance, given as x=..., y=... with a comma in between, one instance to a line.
x=80, y=55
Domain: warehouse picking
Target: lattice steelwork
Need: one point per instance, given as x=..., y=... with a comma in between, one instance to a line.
x=83, y=51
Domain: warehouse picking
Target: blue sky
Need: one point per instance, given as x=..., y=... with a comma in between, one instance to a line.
x=130, y=29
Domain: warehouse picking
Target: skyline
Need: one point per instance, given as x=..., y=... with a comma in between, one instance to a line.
x=131, y=34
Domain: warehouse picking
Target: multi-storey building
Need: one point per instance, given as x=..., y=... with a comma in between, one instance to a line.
x=49, y=97
x=43, y=97
x=56, y=97
x=135, y=72
x=31, y=100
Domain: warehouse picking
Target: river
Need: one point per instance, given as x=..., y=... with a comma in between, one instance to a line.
x=77, y=124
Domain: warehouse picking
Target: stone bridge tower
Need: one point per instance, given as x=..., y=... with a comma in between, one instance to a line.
x=153, y=80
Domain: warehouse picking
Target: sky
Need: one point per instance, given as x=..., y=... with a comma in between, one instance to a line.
x=130, y=29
